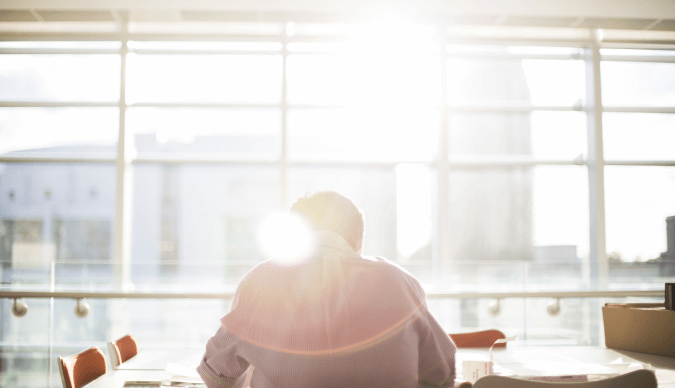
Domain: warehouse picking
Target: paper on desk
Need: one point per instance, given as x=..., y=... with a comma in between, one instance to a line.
x=501, y=341
x=180, y=370
x=558, y=368
x=473, y=370
x=183, y=375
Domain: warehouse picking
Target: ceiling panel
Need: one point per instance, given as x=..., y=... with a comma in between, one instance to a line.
x=76, y=16
x=17, y=16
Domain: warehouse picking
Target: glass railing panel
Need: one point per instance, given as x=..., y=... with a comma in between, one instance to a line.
x=30, y=345
x=25, y=345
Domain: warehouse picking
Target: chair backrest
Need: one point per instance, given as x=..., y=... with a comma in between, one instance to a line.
x=637, y=379
x=122, y=350
x=81, y=369
x=478, y=339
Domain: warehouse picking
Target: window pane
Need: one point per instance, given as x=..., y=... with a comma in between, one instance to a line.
x=204, y=78
x=25, y=353
x=638, y=83
x=31, y=77
x=195, y=227
x=638, y=201
x=363, y=134
x=465, y=315
x=91, y=131
x=527, y=216
x=364, y=77
x=237, y=133
x=546, y=135
x=62, y=212
x=528, y=80
x=642, y=136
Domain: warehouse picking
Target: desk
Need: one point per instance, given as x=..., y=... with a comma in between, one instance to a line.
x=116, y=378
x=156, y=359
x=515, y=357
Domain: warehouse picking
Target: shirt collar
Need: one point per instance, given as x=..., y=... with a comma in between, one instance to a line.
x=330, y=241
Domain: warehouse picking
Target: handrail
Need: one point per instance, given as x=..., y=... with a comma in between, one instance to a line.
x=430, y=295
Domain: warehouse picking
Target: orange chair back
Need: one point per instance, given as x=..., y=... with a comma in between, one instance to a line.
x=478, y=339
x=83, y=368
x=125, y=348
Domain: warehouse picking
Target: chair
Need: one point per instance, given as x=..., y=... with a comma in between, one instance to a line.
x=637, y=379
x=478, y=339
x=83, y=368
x=122, y=350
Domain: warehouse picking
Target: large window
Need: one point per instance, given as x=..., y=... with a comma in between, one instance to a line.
x=476, y=166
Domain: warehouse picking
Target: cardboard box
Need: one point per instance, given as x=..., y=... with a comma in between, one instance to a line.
x=646, y=330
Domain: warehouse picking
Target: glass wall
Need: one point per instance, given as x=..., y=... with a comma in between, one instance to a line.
x=469, y=163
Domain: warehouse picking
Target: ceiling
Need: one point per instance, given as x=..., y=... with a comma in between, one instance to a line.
x=652, y=15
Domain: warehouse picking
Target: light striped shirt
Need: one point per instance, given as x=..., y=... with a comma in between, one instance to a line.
x=338, y=319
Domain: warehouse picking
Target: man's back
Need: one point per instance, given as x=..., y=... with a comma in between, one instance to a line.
x=337, y=319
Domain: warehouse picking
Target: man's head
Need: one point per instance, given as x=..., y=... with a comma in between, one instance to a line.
x=328, y=210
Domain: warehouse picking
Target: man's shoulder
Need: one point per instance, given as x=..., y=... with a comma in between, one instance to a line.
x=395, y=274
x=391, y=268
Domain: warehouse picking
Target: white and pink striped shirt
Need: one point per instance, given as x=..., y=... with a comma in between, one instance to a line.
x=336, y=320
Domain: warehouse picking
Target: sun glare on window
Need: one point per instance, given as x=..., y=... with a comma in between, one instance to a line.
x=286, y=237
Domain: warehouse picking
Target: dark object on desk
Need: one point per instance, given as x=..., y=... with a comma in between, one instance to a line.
x=669, y=296
x=640, y=378
x=478, y=339
x=465, y=384
x=645, y=328
x=83, y=368
x=122, y=350
x=143, y=384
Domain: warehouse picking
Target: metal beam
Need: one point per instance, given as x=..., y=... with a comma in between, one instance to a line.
x=442, y=257
x=502, y=107
x=283, y=156
x=58, y=104
x=651, y=163
x=46, y=158
x=123, y=187
x=430, y=295
x=68, y=51
x=596, y=165
x=638, y=109
x=639, y=58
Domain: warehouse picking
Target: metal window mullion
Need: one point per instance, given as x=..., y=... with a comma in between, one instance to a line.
x=639, y=109
x=430, y=295
x=510, y=108
x=596, y=164
x=58, y=104
x=202, y=105
x=442, y=255
x=202, y=52
x=123, y=184
x=639, y=58
x=513, y=56
x=283, y=157
x=66, y=51
x=651, y=163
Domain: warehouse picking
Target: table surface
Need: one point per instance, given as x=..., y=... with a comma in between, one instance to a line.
x=156, y=359
x=150, y=364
